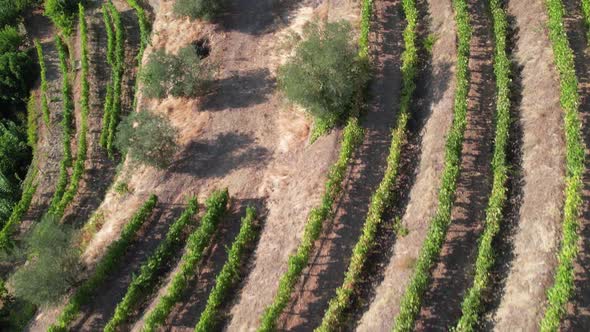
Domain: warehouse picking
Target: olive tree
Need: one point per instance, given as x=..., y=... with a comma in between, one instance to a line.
x=52, y=266
x=148, y=138
x=181, y=75
x=325, y=72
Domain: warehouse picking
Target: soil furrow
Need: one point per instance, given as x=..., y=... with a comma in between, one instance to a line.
x=49, y=148
x=578, y=314
x=436, y=107
x=536, y=236
x=453, y=273
x=331, y=257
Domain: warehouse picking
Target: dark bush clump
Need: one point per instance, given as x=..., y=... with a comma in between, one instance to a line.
x=148, y=138
x=53, y=263
x=182, y=75
x=325, y=72
x=62, y=13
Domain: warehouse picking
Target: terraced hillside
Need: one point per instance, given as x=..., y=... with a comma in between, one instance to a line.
x=181, y=183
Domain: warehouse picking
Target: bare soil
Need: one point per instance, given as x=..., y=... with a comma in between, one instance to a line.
x=453, y=274
x=436, y=106
x=578, y=315
x=537, y=234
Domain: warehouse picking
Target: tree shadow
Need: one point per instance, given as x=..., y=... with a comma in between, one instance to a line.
x=239, y=90
x=256, y=17
x=218, y=156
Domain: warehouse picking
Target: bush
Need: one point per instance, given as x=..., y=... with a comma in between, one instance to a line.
x=10, y=10
x=52, y=266
x=206, y=9
x=325, y=72
x=61, y=12
x=15, y=65
x=182, y=75
x=148, y=138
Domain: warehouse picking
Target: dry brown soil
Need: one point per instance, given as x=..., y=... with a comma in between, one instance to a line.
x=453, y=273
x=438, y=104
x=536, y=236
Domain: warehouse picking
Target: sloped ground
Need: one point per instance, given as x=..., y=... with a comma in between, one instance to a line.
x=536, y=236
x=436, y=107
x=241, y=136
x=333, y=249
x=453, y=274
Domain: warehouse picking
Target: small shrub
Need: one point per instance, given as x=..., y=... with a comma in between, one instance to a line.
x=122, y=188
x=182, y=75
x=61, y=12
x=15, y=65
x=325, y=72
x=52, y=266
x=148, y=138
x=205, y=9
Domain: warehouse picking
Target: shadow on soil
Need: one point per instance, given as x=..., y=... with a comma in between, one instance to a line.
x=257, y=17
x=219, y=156
x=504, y=241
x=578, y=315
x=194, y=300
x=240, y=91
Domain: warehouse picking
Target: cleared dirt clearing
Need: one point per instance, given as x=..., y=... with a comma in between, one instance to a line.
x=438, y=103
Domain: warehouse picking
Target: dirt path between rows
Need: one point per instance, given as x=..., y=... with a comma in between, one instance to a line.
x=332, y=253
x=578, y=315
x=453, y=274
x=436, y=106
x=49, y=147
x=537, y=234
